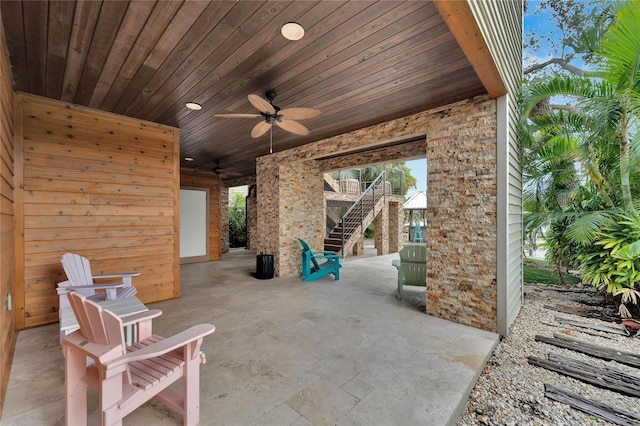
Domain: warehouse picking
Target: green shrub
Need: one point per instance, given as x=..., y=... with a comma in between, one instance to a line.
x=237, y=221
x=615, y=266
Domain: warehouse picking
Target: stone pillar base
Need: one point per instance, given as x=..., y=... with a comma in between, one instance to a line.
x=358, y=247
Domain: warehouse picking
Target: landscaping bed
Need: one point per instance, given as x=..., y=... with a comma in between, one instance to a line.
x=511, y=391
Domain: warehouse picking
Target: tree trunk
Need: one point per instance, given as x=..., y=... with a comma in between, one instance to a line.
x=624, y=164
x=559, y=270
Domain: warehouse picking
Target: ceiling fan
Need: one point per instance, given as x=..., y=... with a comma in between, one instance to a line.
x=220, y=171
x=271, y=114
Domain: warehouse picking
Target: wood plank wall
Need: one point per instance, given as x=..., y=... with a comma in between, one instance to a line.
x=191, y=179
x=7, y=230
x=100, y=185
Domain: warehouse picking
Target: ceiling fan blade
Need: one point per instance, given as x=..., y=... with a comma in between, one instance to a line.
x=261, y=105
x=299, y=113
x=292, y=127
x=260, y=129
x=238, y=115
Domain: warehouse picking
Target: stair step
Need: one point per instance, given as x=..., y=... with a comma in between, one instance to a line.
x=350, y=224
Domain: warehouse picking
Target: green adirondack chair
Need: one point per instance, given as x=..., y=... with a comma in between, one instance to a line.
x=412, y=266
x=312, y=269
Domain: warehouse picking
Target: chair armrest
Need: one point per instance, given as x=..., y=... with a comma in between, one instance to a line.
x=116, y=275
x=327, y=254
x=142, y=316
x=67, y=289
x=396, y=263
x=163, y=346
x=324, y=253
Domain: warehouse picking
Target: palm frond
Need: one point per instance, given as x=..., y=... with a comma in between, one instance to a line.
x=620, y=50
x=585, y=227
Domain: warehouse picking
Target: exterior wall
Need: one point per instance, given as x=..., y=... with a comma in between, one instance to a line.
x=7, y=229
x=396, y=221
x=303, y=184
x=190, y=179
x=501, y=25
x=223, y=221
x=461, y=215
x=461, y=153
x=252, y=218
x=290, y=206
x=381, y=237
x=98, y=184
x=410, y=150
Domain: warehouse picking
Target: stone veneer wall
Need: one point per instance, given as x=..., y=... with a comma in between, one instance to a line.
x=462, y=203
x=301, y=183
x=381, y=238
x=252, y=218
x=462, y=215
x=224, y=219
x=396, y=221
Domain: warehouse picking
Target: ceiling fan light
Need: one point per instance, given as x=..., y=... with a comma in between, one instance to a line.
x=194, y=106
x=292, y=31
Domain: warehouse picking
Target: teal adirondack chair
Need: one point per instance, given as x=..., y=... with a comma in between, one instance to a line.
x=412, y=266
x=312, y=269
x=417, y=234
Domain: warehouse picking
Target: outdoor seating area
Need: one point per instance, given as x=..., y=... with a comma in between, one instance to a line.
x=344, y=352
x=126, y=153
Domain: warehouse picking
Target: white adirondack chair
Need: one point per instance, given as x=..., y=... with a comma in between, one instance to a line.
x=81, y=280
x=127, y=377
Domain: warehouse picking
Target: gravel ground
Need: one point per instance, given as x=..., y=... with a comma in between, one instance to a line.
x=511, y=392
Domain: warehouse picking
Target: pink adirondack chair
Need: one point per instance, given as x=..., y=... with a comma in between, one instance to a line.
x=127, y=377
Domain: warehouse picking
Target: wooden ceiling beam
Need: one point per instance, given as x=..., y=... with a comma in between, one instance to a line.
x=463, y=26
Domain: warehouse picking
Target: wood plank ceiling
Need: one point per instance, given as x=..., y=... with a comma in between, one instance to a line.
x=360, y=63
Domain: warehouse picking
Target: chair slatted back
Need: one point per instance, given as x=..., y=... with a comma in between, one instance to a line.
x=414, y=253
x=413, y=263
x=305, y=247
x=78, y=272
x=414, y=274
x=97, y=324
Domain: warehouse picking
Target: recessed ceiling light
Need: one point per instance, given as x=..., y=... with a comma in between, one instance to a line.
x=188, y=159
x=194, y=106
x=292, y=31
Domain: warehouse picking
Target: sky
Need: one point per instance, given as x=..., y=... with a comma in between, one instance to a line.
x=419, y=171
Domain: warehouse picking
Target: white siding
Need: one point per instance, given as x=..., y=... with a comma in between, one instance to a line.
x=500, y=22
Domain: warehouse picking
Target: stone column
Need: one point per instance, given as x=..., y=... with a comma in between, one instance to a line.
x=252, y=218
x=224, y=218
x=382, y=230
x=462, y=215
x=290, y=206
x=358, y=247
x=396, y=220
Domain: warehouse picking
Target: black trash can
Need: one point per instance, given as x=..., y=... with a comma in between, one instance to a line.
x=264, y=266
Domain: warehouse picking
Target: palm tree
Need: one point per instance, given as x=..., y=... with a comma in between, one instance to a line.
x=620, y=73
x=607, y=107
x=588, y=211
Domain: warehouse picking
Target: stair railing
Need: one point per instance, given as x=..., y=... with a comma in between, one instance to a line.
x=374, y=192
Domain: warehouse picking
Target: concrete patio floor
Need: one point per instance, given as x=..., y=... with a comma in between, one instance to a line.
x=288, y=353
